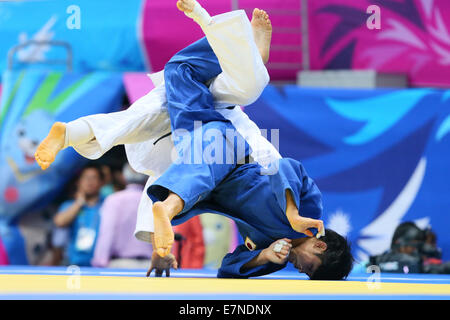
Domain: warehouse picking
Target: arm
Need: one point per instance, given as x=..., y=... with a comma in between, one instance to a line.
x=291, y=185
x=299, y=223
x=269, y=255
x=65, y=217
x=242, y=263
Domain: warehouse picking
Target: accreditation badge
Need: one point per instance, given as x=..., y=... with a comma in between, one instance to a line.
x=85, y=239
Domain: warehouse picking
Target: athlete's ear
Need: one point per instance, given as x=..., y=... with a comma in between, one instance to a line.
x=320, y=245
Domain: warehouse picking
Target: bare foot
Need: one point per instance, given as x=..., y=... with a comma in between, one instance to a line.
x=163, y=233
x=51, y=145
x=262, y=32
x=186, y=5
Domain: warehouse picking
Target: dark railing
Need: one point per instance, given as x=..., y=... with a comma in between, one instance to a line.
x=65, y=45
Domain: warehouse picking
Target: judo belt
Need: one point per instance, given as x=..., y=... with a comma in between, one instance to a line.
x=162, y=137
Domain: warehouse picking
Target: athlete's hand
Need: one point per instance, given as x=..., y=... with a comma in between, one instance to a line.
x=299, y=223
x=302, y=224
x=277, y=252
x=160, y=264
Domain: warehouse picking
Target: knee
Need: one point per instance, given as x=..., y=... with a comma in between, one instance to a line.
x=249, y=94
x=250, y=91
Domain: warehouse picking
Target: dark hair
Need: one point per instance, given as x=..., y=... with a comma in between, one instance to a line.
x=95, y=167
x=407, y=232
x=337, y=259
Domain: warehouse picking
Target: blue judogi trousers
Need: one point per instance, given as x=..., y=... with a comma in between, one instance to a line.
x=208, y=145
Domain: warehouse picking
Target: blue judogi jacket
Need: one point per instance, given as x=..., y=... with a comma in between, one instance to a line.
x=255, y=201
x=257, y=204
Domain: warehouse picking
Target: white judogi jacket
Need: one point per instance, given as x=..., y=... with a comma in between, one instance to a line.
x=242, y=80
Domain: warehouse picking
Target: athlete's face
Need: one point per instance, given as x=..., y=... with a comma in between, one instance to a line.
x=304, y=255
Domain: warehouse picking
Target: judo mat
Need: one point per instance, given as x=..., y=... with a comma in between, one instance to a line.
x=30, y=282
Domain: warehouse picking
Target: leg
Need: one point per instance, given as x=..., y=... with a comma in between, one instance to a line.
x=93, y=135
x=61, y=136
x=244, y=75
x=261, y=25
x=163, y=213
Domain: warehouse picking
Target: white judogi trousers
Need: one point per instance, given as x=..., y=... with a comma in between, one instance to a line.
x=241, y=82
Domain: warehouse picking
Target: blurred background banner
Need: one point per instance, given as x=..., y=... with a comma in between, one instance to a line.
x=133, y=35
x=31, y=102
x=414, y=35
x=379, y=157
x=103, y=35
x=414, y=38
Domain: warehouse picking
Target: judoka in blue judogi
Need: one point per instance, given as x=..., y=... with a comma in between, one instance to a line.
x=257, y=202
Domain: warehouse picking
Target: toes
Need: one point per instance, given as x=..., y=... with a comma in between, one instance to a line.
x=40, y=162
x=181, y=5
x=163, y=251
x=257, y=13
x=44, y=165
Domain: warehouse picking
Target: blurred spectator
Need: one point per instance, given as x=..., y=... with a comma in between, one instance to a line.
x=118, y=180
x=81, y=218
x=108, y=186
x=116, y=245
x=413, y=250
x=189, y=247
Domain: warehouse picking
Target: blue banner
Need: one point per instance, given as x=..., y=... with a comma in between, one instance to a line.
x=380, y=157
x=31, y=102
